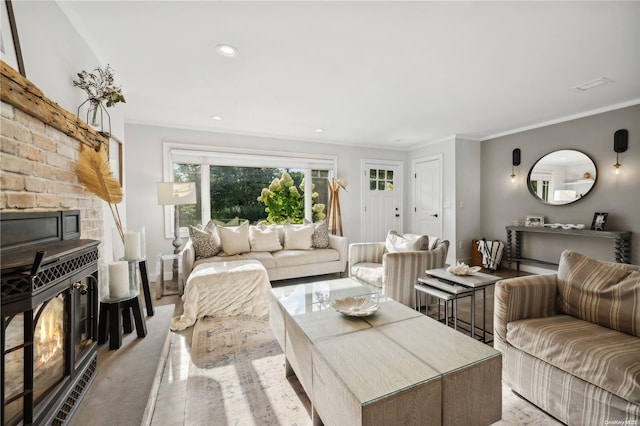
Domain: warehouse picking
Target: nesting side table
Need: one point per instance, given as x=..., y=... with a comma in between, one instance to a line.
x=169, y=263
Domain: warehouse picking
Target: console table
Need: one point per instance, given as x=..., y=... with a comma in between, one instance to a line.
x=621, y=242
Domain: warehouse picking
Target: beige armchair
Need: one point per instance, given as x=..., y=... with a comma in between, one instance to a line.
x=394, y=273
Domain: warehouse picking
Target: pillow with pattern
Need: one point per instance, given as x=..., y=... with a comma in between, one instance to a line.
x=320, y=237
x=205, y=243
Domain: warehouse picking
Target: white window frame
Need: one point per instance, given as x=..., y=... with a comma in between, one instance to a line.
x=175, y=152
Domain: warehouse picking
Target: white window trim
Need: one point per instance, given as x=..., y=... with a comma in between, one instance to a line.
x=173, y=152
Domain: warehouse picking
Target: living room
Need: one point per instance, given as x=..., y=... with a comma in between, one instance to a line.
x=478, y=197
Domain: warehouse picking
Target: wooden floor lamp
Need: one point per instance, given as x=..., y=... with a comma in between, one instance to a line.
x=335, y=217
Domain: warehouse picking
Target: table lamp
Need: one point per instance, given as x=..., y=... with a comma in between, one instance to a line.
x=176, y=194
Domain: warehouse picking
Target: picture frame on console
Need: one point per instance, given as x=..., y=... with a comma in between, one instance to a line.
x=534, y=221
x=599, y=219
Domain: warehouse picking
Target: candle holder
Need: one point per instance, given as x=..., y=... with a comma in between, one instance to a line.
x=134, y=246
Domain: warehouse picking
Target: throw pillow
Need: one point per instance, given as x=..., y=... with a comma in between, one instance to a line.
x=264, y=239
x=396, y=242
x=603, y=293
x=432, y=242
x=298, y=238
x=205, y=244
x=320, y=237
x=235, y=240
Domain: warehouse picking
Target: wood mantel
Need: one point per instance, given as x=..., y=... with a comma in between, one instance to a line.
x=24, y=95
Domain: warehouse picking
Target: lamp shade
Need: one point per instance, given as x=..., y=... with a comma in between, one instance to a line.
x=176, y=193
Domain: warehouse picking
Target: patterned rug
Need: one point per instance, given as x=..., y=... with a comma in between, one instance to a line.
x=237, y=376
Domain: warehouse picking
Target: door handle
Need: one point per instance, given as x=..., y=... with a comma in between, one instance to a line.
x=435, y=215
x=397, y=215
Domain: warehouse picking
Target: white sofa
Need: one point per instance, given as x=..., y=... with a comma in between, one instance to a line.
x=282, y=264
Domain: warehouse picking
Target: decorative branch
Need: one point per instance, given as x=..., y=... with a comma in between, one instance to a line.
x=96, y=176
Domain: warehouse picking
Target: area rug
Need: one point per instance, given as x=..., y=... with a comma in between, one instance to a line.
x=237, y=376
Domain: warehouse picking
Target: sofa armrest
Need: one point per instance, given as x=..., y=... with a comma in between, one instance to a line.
x=188, y=254
x=339, y=243
x=400, y=270
x=533, y=296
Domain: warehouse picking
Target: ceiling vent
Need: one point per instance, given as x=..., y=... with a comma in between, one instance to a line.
x=592, y=84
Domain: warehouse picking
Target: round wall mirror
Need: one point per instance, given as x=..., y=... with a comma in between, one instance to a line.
x=562, y=177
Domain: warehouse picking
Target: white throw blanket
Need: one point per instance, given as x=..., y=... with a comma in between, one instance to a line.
x=224, y=288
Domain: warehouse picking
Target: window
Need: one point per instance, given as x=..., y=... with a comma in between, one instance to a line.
x=229, y=181
x=380, y=180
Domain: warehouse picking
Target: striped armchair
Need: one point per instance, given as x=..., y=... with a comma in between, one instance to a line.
x=571, y=341
x=394, y=273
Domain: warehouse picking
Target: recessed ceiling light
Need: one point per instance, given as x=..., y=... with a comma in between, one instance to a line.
x=592, y=84
x=227, y=51
x=216, y=117
x=319, y=130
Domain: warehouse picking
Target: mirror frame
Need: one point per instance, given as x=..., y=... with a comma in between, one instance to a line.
x=595, y=180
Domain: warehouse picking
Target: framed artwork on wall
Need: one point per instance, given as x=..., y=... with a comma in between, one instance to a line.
x=115, y=158
x=599, y=219
x=534, y=221
x=10, y=51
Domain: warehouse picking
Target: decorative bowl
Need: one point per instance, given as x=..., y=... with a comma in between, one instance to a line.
x=462, y=269
x=357, y=306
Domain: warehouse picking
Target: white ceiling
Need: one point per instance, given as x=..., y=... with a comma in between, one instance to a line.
x=389, y=74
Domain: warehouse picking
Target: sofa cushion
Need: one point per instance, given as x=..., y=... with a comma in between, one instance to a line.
x=601, y=356
x=370, y=273
x=297, y=237
x=320, y=237
x=397, y=242
x=263, y=257
x=264, y=238
x=603, y=293
x=304, y=257
x=205, y=244
x=234, y=240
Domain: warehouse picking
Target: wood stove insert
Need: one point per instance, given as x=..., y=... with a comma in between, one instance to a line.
x=49, y=316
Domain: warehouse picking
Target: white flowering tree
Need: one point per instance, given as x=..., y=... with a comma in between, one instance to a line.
x=284, y=201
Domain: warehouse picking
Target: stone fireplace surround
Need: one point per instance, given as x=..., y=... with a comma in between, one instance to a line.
x=38, y=160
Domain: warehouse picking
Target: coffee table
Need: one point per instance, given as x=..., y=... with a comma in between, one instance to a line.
x=393, y=367
x=442, y=280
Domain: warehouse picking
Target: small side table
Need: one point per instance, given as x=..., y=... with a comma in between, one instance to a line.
x=169, y=263
x=117, y=313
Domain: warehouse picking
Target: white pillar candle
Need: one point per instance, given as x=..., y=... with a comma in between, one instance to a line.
x=118, y=279
x=132, y=246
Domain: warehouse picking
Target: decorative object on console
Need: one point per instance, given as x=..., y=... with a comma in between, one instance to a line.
x=176, y=194
x=95, y=174
x=515, y=161
x=100, y=88
x=620, y=144
x=534, y=221
x=599, y=219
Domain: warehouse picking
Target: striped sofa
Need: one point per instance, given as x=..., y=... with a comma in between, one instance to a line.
x=395, y=273
x=571, y=341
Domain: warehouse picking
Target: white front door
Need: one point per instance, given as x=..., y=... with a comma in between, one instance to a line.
x=382, y=197
x=427, y=211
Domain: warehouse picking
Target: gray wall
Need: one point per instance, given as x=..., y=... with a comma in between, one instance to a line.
x=503, y=202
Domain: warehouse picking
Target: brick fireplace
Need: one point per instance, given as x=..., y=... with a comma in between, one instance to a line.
x=39, y=148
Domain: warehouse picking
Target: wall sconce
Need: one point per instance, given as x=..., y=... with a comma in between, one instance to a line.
x=620, y=144
x=515, y=161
